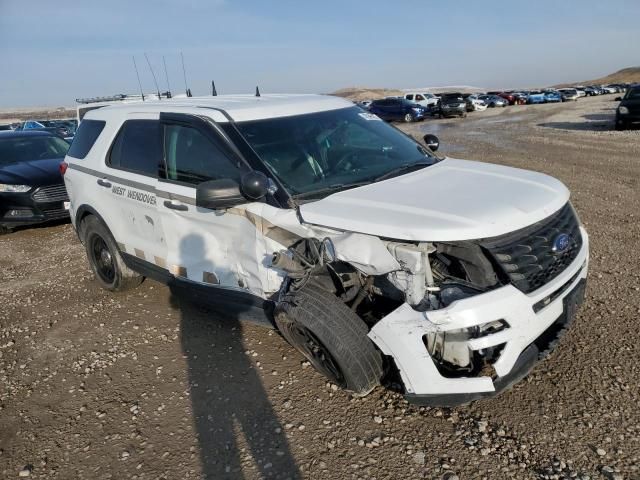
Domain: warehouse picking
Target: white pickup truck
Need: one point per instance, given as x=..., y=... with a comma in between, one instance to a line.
x=372, y=255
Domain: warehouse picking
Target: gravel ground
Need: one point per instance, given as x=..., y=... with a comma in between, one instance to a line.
x=143, y=385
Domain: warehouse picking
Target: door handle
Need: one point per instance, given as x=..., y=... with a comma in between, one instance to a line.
x=104, y=183
x=175, y=206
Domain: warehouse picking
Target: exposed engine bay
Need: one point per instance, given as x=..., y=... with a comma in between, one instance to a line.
x=374, y=277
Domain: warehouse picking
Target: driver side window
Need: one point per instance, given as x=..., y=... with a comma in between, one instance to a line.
x=192, y=158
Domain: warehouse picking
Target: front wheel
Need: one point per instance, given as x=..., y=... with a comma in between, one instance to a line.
x=408, y=118
x=331, y=336
x=105, y=259
x=620, y=126
x=4, y=230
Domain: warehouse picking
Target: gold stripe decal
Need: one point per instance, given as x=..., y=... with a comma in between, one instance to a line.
x=179, y=271
x=121, y=247
x=268, y=229
x=159, y=261
x=139, y=253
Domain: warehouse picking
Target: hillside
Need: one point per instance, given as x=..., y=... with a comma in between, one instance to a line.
x=357, y=94
x=626, y=75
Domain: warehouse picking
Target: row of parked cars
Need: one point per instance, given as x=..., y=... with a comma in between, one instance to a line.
x=62, y=128
x=415, y=106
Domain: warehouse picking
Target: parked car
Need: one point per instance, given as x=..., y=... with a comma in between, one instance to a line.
x=628, y=111
x=509, y=97
x=591, y=91
x=424, y=99
x=581, y=92
x=475, y=104
x=568, y=94
x=56, y=127
x=535, y=96
x=521, y=98
x=452, y=105
x=552, y=96
x=494, y=101
x=31, y=186
x=364, y=104
x=366, y=250
x=397, y=109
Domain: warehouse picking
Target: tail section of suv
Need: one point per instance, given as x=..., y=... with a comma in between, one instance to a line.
x=628, y=111
x=309, y=214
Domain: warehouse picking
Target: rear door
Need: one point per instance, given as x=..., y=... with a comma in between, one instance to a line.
x=129, y=184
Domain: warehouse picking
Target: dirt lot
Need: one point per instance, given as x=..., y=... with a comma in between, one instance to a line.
x=95, y=385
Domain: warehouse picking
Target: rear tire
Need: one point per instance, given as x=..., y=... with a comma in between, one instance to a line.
x=105, y=259
x=332, y=337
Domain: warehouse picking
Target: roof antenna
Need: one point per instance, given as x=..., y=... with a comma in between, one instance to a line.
x=138, y=75
x=214, y=93
x=167, y=77
x=184, y=73
x=155, y=81
x=257, y=91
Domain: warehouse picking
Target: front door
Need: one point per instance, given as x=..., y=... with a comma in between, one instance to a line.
x=214, y=247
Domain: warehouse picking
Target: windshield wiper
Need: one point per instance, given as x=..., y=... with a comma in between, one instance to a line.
x=404, y=168
x=336, y=187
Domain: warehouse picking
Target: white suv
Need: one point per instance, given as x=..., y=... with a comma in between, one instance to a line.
x=421, y=98
x=369, y=253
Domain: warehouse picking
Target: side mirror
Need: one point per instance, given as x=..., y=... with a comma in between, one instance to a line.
x=618, y=99
x=431, y=141
x=255, y=185
x=219, y=194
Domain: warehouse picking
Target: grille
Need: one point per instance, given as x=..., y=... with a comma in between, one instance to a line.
x=527, y=257
x=55, y=213
x=53, y=193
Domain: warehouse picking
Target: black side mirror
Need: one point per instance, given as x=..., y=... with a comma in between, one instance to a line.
x=254, y=185
x=618, y=99
x=219, y=194
x=431, y=141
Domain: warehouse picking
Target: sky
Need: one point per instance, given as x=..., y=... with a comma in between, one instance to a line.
x=52, y=52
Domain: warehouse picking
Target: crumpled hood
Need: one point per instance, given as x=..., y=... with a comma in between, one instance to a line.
x=451, y=200
x=35, y=172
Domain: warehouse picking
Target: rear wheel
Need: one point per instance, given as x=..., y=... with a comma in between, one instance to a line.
x=105, y=259
x=331, y=336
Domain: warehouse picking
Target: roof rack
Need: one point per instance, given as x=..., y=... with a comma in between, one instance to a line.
x=122, y=97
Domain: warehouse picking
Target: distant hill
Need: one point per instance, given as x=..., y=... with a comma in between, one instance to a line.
x=356, y=94
x=626, y=75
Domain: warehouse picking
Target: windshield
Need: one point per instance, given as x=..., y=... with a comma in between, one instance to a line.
x=633, y=94
x=337, y=149
x=23, y=149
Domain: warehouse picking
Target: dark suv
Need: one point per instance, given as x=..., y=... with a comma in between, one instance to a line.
x=398, y=109
x=628, y=112
x=453, y=105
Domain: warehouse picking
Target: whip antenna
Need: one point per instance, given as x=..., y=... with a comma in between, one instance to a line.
x=184, y=73
x=138, y=75
x=257, y=91
x=167, y=77
x=155, y=81
x=214, y=93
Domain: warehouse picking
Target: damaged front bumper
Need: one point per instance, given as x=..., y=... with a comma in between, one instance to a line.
x=532, y=321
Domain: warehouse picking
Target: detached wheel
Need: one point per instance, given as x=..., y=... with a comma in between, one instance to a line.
x=332, y=337
x=105, y=259
x=408, y=118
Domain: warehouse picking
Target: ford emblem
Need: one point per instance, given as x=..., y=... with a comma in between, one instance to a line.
x=561, y=243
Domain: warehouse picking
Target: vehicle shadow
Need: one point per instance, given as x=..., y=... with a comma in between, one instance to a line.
x=596, y=122
x=235, y=423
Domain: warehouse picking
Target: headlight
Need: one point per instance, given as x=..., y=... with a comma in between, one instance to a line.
x=623, y=110
x=8, y=188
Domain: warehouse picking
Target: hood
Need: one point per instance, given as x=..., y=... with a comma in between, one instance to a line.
x=35, y=172
x=449, y=201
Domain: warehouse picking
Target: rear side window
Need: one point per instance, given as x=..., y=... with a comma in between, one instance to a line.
x=192, y=158
x=137, y=148
x=85, y=137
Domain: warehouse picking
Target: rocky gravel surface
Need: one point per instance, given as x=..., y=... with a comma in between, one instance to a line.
x=144, y=385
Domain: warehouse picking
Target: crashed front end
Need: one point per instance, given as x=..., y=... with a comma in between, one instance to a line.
x=460, y=320
x=474, y=337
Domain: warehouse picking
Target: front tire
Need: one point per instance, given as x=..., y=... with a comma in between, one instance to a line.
x=105, y=259
x=5, y=230
x=408, y=118
x=332, y=338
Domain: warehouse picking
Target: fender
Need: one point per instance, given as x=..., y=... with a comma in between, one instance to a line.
x=81, y=212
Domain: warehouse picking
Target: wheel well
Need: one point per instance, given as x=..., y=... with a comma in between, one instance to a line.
x=83, y=212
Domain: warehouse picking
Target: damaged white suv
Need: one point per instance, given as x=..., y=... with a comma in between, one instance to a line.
x=373, y=257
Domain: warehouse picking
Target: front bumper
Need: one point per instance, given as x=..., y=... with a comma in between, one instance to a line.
x=400, y=335
x=30, y=208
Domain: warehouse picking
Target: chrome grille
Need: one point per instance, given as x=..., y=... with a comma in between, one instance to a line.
x=527, y=257
x=52, y=193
